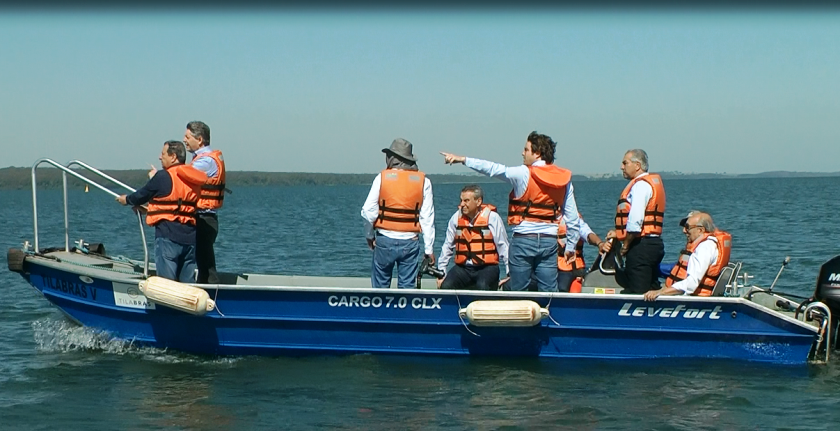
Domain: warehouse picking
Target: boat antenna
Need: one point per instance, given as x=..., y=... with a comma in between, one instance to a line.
x=784, y=264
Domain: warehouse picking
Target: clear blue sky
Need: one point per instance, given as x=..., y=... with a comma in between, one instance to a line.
x=736, y=92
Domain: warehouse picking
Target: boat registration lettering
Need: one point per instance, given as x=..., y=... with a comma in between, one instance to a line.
x=687, y=313
x=384, y=302
x=75, y=289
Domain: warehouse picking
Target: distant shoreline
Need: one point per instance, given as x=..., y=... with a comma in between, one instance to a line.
x=13, y=178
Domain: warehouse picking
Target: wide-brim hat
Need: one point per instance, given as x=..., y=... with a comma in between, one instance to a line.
x=401, y=148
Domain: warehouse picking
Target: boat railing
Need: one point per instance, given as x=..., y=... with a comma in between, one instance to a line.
x=66, y=169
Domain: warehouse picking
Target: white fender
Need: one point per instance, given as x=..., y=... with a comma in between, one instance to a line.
x=503, y=313
x=177, y=295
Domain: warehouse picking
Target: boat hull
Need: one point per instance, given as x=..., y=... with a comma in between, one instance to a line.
x=294, y=320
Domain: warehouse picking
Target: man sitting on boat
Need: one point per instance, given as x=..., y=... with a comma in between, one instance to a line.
x=398, y=208
x=542, y=194
x=476, y=235
x=568, y=271
x=698, y=268
x=172, y=194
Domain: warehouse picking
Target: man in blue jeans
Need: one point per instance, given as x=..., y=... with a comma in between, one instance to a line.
x=398, y=208
x=172, y=194
x=542, y=194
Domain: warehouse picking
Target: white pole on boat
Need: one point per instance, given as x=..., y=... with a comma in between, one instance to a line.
x=784, y=264
x=66, y=218
x=35, y=203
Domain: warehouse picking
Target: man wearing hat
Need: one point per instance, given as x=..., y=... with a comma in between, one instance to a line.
x=398, y=208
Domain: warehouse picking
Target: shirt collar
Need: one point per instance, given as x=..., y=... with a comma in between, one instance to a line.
x=202, y=150
x=540, y=162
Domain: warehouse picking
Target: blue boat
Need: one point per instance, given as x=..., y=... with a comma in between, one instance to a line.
x=260, y=314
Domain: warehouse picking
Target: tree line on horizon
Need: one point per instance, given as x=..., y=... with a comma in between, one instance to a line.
x=15, y=178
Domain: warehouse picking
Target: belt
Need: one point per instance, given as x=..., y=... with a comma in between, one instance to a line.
x=534, y=235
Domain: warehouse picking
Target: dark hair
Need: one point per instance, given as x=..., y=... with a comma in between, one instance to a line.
x=475, y=189
x=542, y=145
x=177, y=149
x=200, y=130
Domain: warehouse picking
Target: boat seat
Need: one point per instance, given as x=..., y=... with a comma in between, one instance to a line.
x=727, y=276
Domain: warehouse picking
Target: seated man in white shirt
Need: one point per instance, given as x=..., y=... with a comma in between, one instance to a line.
x=476, y=236
x=699, y=265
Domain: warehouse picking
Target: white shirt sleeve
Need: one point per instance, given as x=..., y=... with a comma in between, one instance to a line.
x=698, y=263
x=497, y=228
x=370, y=209
x=448, y=247
x=570, y=214
x=427, y=218
x=585, y=230
x=640, y=194
x=516, y=176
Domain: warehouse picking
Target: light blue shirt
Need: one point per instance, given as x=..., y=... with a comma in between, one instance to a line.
x=206, y=165
x=518, y=177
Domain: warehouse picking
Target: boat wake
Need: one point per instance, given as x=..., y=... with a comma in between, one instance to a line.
x=62, y=336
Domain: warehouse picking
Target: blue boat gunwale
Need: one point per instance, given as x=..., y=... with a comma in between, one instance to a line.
x=116, y=277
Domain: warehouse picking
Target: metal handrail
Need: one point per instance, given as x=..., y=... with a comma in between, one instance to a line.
x=66, y=170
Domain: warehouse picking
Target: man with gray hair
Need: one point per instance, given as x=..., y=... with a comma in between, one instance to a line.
x=699, y=266
x=638, y=225
x=398, y=208
x=476, y=235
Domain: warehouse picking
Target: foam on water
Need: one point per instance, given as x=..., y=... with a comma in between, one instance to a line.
x=62, y=336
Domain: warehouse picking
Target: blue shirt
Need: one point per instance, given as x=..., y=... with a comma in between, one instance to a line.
x=160, y=186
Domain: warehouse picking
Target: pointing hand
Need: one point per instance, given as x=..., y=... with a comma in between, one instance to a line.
x=450, y=158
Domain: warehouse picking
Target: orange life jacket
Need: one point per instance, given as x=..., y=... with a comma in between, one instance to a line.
x=707, y=282
x=475, y=243
x=654, y=211
x=180, y=204
x=400, y=199
x=543, y=198
x=578, y=263
x=213, y=191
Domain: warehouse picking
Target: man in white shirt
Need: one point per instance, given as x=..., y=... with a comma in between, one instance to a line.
x=477, y=238
x=542, y=194
x=695, y=226
x=398, y=208
x=638, y=225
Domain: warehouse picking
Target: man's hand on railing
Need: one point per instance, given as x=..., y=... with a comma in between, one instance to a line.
x=121, y=199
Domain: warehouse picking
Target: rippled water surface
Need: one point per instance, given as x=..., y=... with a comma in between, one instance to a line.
x=56, y=375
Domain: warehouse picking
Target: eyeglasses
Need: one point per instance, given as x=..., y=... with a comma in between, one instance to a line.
x=688, y=227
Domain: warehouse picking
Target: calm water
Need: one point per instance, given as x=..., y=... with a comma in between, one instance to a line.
x=54, y=375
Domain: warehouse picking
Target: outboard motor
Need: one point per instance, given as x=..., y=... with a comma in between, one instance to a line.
x=828, y=285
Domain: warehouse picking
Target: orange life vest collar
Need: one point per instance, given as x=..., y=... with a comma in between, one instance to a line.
x=474, y=241
x=180, y=204
x=213, y=190
x=654, y=210
x=723, y=241
x=544, y=196
x=400, y=199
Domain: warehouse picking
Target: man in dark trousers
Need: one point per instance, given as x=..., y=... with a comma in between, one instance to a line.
x=211, y=162
x=638, y=225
